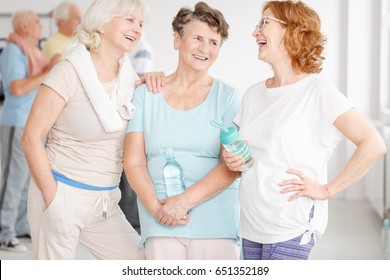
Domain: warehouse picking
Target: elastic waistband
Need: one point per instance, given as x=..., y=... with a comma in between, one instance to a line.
x=70, y=182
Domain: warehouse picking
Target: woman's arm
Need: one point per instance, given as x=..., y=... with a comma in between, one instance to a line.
x=45, y=110
x=137, y=174
x=176, y=207
x=23, y=86
x=369, y=147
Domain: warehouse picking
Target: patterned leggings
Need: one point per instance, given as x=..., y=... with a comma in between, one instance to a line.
x=287, y=250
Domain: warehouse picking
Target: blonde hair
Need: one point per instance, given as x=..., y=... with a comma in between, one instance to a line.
x=98, y=14
x=303, y=39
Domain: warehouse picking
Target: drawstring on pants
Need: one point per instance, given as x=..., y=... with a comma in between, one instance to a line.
x=102, y=203
x=104, y=198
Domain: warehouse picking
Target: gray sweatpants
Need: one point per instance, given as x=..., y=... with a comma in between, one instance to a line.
x=14, y=179
x=76, y=215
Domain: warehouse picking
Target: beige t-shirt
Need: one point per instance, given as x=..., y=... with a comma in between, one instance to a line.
x=77, y=145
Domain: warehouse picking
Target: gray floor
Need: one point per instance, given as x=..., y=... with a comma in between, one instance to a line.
x=353, y=233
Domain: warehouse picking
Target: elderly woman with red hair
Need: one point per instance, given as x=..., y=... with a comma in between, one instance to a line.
x=292, y=122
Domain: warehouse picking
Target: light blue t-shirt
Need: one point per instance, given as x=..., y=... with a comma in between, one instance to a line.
x=13, y=66
x=196, y=146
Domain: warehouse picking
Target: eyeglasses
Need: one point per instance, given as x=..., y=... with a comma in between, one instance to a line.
x=263, y=21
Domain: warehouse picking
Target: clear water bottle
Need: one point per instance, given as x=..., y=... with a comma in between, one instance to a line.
x=386, y=239
x=230, y=140
x=173, y=174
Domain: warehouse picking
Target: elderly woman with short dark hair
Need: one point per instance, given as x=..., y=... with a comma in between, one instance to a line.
x=179, y=118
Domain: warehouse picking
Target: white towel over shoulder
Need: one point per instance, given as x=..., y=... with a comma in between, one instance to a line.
x=110, y=110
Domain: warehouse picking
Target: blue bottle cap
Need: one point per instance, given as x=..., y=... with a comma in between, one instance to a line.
x=229, y=136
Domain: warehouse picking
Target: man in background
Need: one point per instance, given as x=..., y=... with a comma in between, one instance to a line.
x=22, y=67
x=67, y=16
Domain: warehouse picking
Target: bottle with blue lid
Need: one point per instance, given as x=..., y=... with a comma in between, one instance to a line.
x=230, y=139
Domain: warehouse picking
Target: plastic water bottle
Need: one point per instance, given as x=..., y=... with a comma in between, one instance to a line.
x=230, y=140
x=386, y=239
x=173, y=174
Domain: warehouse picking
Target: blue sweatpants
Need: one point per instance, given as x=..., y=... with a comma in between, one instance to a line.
x=14, y=181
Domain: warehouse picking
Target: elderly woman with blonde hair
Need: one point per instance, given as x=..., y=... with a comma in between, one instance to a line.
x=81, y=111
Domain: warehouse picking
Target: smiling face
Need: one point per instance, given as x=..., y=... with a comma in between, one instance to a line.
x=270, y=39
x=123, y=34
x=199, y=46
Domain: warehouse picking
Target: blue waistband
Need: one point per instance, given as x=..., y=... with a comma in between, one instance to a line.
x=70, y=182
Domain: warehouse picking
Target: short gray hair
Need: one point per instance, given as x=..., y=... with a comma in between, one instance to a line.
x=20, y=16
x=62, y=11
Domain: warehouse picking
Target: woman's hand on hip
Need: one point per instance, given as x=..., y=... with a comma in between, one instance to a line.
x=303, y=186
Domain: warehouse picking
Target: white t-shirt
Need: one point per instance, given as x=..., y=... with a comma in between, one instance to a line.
x=286, y=127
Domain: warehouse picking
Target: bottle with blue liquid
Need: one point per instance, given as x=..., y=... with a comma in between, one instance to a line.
x=173, y=174
x=230, y=140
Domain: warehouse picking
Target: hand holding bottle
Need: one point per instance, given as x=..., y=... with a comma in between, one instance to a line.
x=230, y=140
x=233, y=162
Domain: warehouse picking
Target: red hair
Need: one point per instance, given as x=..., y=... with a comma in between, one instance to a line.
x=303, y=39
